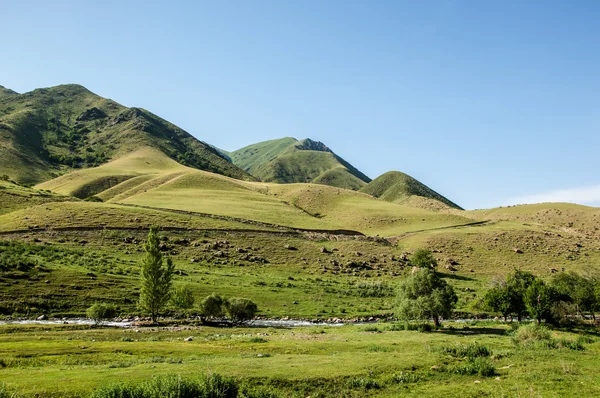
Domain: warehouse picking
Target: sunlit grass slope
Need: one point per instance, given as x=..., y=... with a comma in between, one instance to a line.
x=146, y=162
x=566, y=216
x=149, y=178
x=362, y=212
x=398, y=187
x=288, y=160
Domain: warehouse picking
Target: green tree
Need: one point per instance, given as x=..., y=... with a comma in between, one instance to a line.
x=182, y=298
x=213, y=306
x=540, y=299
x=423, y=258
x=425, y=295
x=579, y=290
x=155, y=277
x=517, y=284
x=99, y=312
x=499, y=299
x=240, y=310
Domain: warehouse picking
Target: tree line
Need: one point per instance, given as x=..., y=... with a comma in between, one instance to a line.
x=567, y=297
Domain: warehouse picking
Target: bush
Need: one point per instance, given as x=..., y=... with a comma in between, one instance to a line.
x=470, y=351
x=364, y=382
x=422, y=327
x=209, y=386
x=479, y=366
x=531, y=334
x=240, y=310
x=99, y=312
x=539, y=337
x=182, y=298
x=373, y=289
x=213, y=306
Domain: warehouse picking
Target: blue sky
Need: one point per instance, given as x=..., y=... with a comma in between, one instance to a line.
x=489, y=103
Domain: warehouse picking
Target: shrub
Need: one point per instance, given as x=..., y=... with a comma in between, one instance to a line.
x=182, y=298
x=213, y=386
x=213, y=306
x=531, y=334
x=470, y=351
x=366, y=383
x=539, y=337
x=240, y=310
x=405, y=378
x=99, y=312
x=373, y=289
x=479, y=366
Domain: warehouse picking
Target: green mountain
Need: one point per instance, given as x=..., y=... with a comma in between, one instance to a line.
x=51, y=131
x=288, y=160
x=398, y=187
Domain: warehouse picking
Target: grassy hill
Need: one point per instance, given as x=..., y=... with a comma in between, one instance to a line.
x=288, y=160
x=50, y=131
x=149, y=178
x=398, y=187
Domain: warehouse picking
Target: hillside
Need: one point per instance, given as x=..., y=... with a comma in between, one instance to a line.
x=397, y=187
x=288, y=160
x=50, y=131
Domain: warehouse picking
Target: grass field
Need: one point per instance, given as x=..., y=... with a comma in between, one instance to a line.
x=346, y=361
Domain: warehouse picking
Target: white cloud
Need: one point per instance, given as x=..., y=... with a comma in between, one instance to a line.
x=584, y=196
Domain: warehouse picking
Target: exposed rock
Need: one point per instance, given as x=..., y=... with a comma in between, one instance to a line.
x=91, y=114
x=290, y=247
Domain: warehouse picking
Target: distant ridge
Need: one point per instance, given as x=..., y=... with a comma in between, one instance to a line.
x=398, y=187
x=50, y=131
x=288, y=160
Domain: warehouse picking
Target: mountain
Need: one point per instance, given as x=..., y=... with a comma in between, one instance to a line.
x=50, y=131
x=288, y=160
x=397, y=187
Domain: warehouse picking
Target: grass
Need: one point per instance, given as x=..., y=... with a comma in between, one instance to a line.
x=398, y=187
x=343, y=361
x=288, y=160
x=51, y=131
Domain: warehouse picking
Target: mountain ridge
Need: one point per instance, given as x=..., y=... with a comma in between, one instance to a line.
x=50, y=131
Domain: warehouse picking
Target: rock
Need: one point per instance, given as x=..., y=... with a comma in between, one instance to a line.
x=290, y=247
x=42, y=318
x=451, y=261
x=188, y=339
x=325, y=250
x=450, y=268
x=91, y=114
x=518, y=251
x=476, y=382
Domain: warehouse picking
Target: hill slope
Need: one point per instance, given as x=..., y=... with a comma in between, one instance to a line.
x=398, y=187
x=288, y=160
x=50, y=131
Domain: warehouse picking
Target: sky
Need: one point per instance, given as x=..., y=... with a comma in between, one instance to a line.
x=490, y=103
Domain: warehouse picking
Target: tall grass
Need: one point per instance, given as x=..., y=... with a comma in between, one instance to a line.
x=205, y=386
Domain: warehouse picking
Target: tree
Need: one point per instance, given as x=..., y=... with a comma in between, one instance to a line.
x=425, y=295
x=182, y=298
x=517, y=284
x=499, y=299
x=540, y=299
x=155, y=277
x=240, y=310
x=213, y=306
x=579, y=290
x=99, y=312
x=423, y=258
